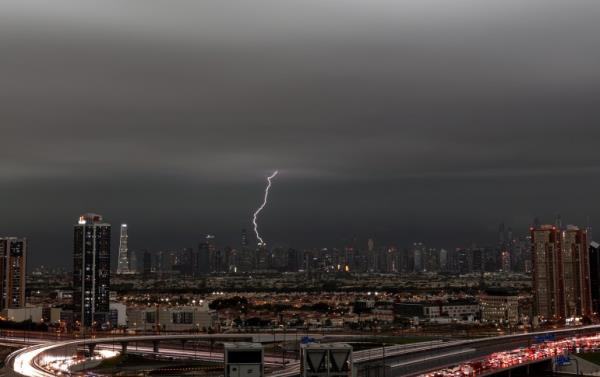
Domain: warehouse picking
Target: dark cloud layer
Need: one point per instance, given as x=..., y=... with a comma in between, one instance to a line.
x=399, y=120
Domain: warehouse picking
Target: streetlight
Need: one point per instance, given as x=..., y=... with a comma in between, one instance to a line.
x=283, y=346
x=383, y=357
x=577, y=364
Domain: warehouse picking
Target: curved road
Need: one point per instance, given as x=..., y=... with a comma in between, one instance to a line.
x=405, y=360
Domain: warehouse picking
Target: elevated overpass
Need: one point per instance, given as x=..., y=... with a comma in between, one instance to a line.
x=26, y=361
x=392, y=361
x=417, y=361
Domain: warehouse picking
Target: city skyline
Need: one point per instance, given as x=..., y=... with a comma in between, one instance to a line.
x=491, y=239
x=300, y=188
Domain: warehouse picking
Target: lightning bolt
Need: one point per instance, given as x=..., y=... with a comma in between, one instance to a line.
x=264, y=203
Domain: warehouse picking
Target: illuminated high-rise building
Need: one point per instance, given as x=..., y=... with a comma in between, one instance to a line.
x=576, y=271
x=91, y=268
x=561, y=272
x=13, y=257
x=215, y=256
x=123, y=262
x=595, y=275
x=546, y=265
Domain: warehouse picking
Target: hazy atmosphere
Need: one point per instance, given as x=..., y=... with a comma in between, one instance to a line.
x=396, y=121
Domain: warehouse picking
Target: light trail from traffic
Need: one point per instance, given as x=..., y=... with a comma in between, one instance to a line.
x=401, y=356
x=520, y=356
x=37, y=360
x=58, y=365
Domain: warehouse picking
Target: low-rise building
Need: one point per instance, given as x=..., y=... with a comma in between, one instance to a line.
x=363, y=305
x=500, y=306
x=176, y=318
x=51, y=315
x=423, y=309
x=461, y=309
x=118, y=317
x=33, y=314
x=453, y=309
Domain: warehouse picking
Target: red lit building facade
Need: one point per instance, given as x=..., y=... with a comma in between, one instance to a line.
x=561, y=272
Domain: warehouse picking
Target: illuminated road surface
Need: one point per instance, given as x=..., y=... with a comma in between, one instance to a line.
x=520, y=356
x=412, y=357
x=24, y=360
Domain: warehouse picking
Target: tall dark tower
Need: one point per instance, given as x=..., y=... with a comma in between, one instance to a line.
x=558, y=221
x=595, y=275
x=91, y=268
x=205, y=256
x=244, y=239
x=501, y=235
x=13, y=257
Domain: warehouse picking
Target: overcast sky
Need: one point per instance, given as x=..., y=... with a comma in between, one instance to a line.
x=397, y=120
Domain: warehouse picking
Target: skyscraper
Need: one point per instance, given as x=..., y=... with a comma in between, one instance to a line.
x=244, y=239
x=13, y=257
x=123, y=263
x=133, y=261
x=464, y=261
x=91, y=268
x=418, y=254
x=372, y=256
x=205, y=252
x=185, y=261
x=547, y=278
x=146, y=262
x=595, y=275
x=576, y=271
x=443, y=260
x=561, y=272
x=215, y=257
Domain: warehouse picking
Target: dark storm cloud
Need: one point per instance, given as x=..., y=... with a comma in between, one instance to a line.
x=429, y=120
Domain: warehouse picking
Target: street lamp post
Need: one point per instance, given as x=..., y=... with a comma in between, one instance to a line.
x=383, y=357
x=577, y=365
x=283, y=347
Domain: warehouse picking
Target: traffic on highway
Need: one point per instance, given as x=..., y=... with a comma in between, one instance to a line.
x=521, y=356
x=59, y=365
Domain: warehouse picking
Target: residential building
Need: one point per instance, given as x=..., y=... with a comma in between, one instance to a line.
x=179, y=318
x=13, y=258
x=500, y=306
x=91, y=268
x=561, y=272
x=595, y=276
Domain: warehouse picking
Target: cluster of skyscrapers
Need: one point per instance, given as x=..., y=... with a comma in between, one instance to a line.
x=509, y=254
x=564, y=263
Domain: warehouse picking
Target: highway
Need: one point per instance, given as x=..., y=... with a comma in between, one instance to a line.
x=23, y=361
x=400, y=360
x=437, y=356
x=522, y=356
